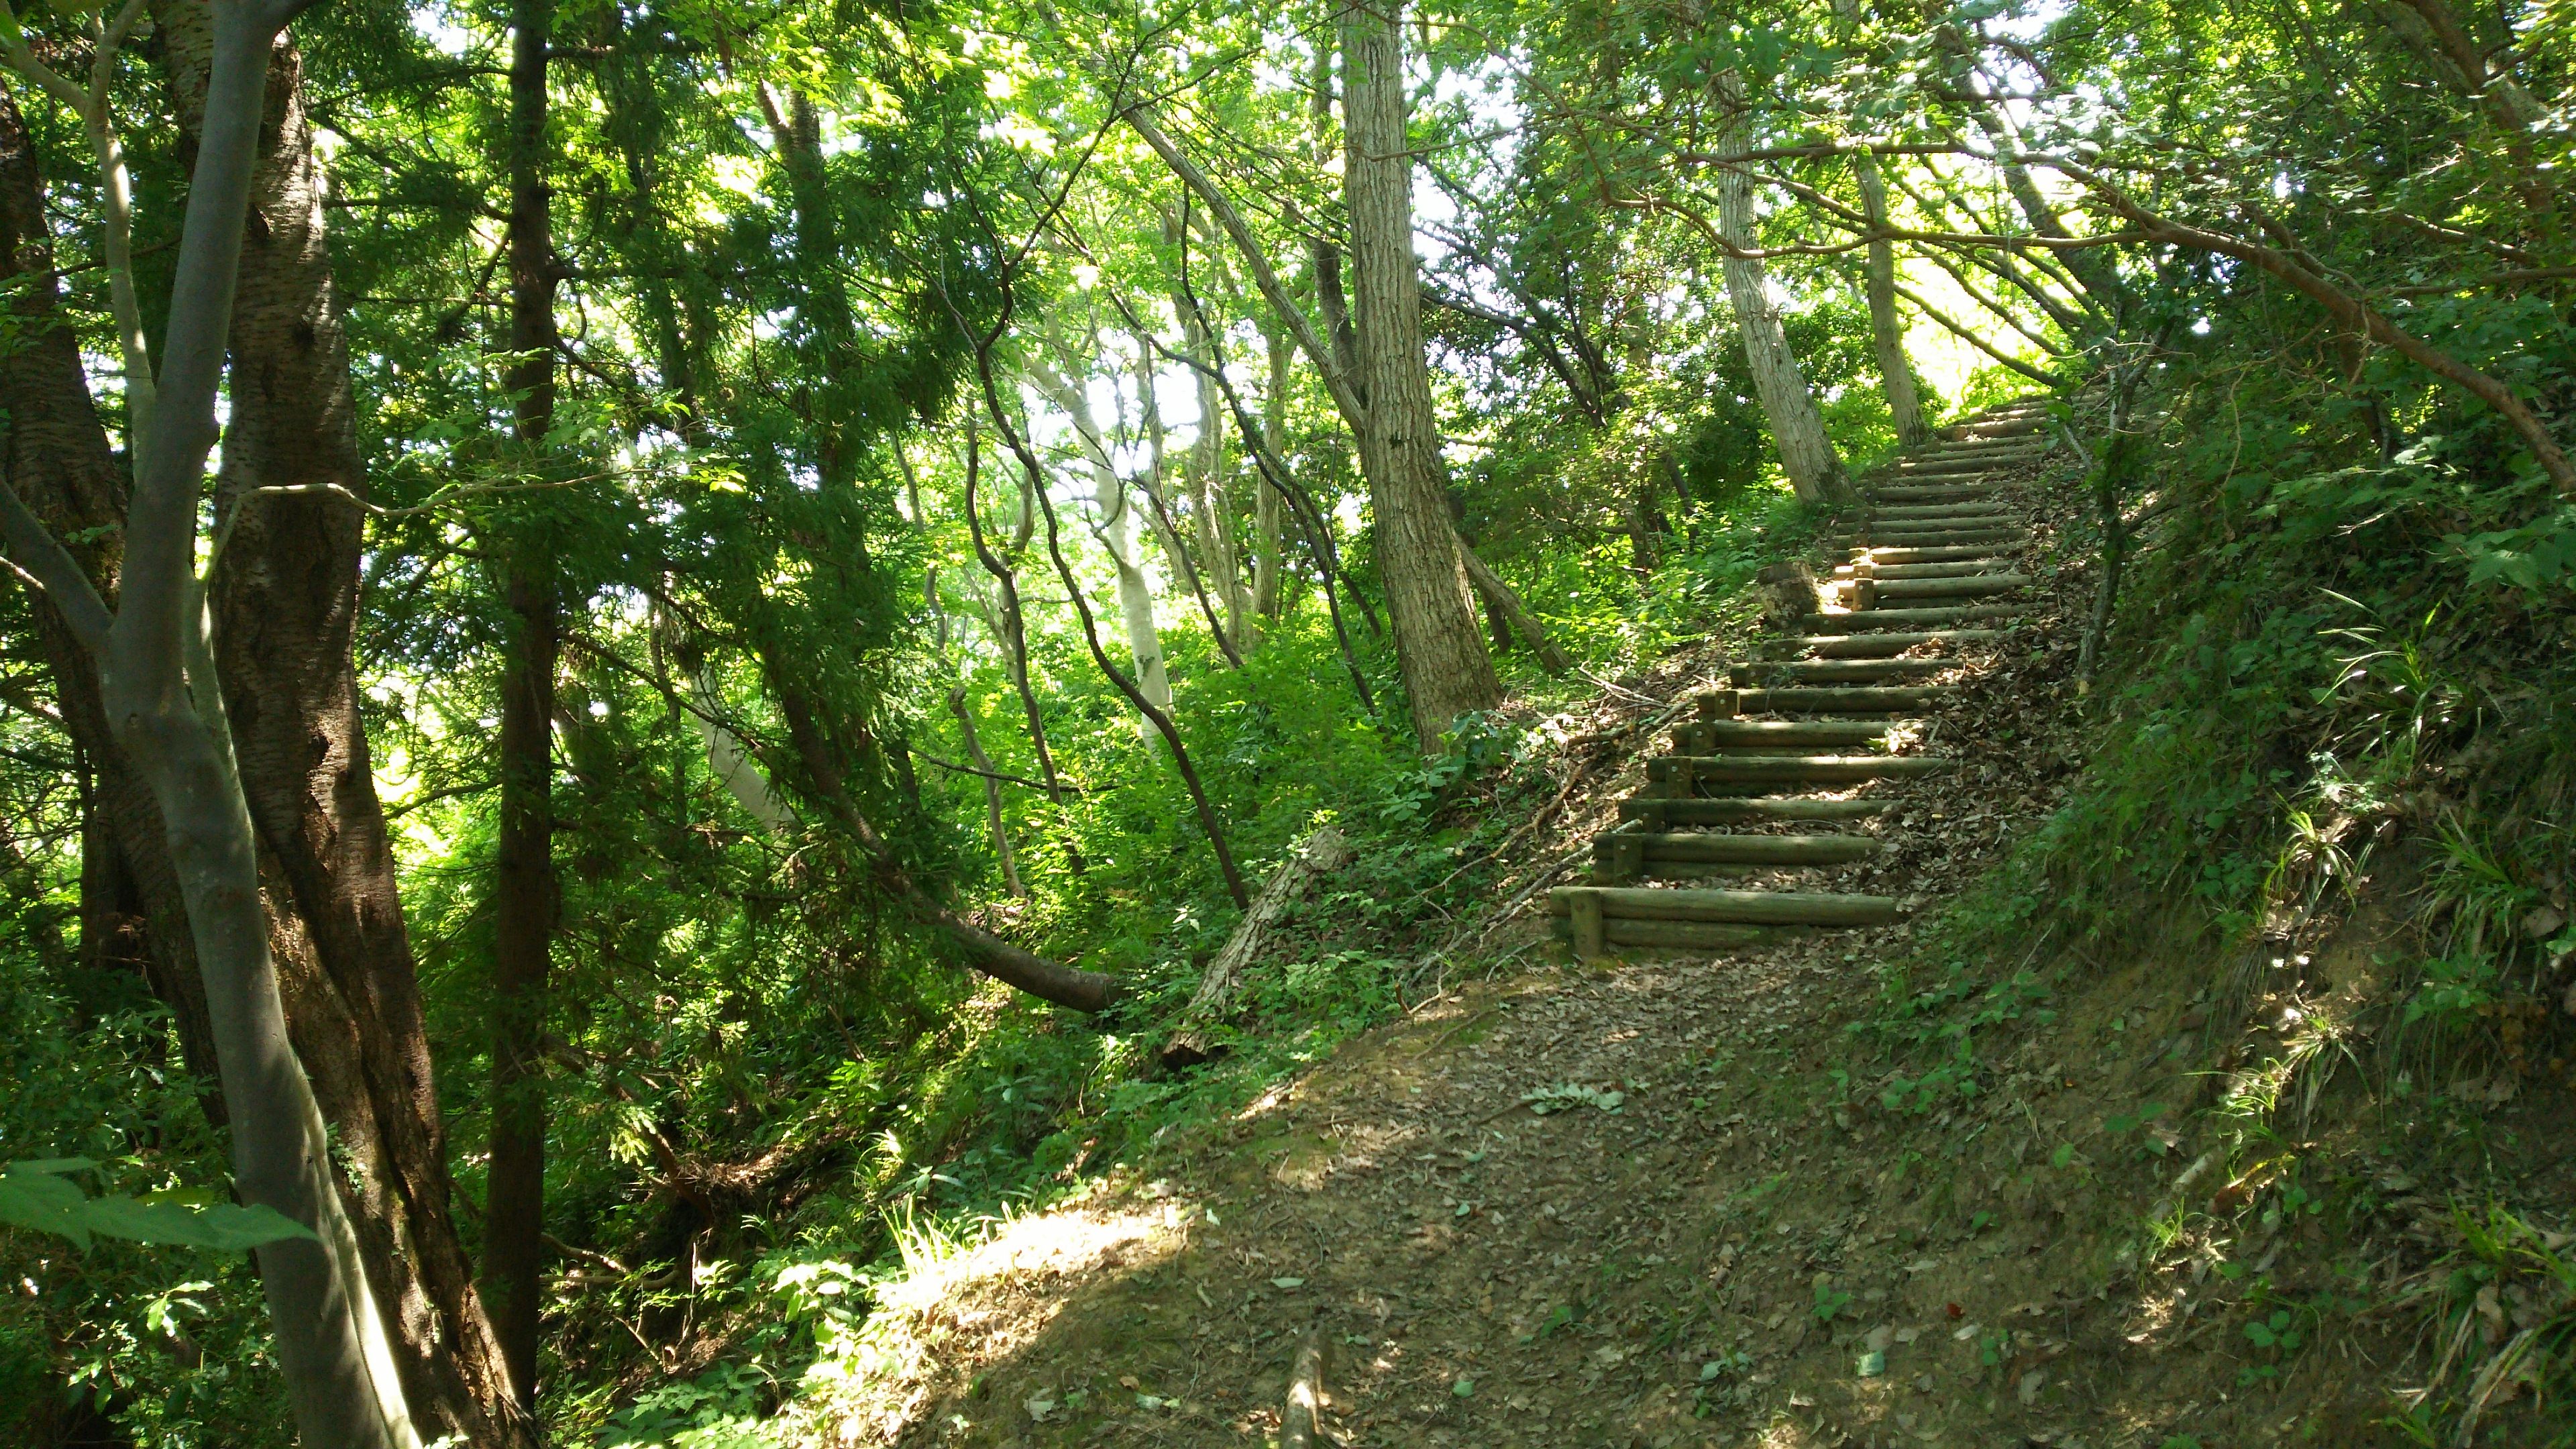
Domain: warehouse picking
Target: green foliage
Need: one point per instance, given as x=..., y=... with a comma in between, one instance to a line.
x=38, y=1196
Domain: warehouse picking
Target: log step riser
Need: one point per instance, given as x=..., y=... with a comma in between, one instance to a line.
x=1791, y=672
x=1856, y=646
x=1664, y=813
x=1976, y=586
x=1746, y=908
x=1678, y=770
x=1788, y=850
x=1964, y=568
x=1877, y=619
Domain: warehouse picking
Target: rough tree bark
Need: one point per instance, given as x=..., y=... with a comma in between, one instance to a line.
x=157, y=681
x=524, y=886
x=1886, y=330
x=1447, y=671
x=285, y=605
x=1798, y=430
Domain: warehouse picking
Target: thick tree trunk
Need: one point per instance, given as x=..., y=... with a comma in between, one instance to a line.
x=158, y=687
x=1886, y=330
x=1442, y=652
x=524, y=887
x=1797, y=428
x=285, y=605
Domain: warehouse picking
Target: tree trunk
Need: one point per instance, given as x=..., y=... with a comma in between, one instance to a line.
x=1441, y=651
x=1798, y=430
x=60, y=462
x=1502, y=599
x=1203, y=468
x=1117, y=532
x=957, y=705
x=524, y=886
x=157, y=683
x=1886, y=331
x=1319, y=854
x=1265, y=501
x=285, y=604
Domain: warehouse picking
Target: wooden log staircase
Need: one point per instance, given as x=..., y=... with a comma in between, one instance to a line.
x=1778, y=782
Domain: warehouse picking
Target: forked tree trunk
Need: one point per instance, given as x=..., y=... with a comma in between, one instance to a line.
x=158, y=688
x=285, y=605
x=1441, y=650
x=524, y=886
x=1886, y=329
x=59, y=460
x=1117, y=533
x=1266, y=504
x=1797, y=428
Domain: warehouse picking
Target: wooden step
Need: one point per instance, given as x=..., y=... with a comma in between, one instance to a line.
x=1662, y=935
x=1873, y=620
x=1918, y=470
x=1835, y=671
x=1933, y=492
x=1970, y=586
x=1962, y=447
x=1971, y=508
x=1750, y=908
x=1938, y=553
x=1726, y=736
x=1621, y=852
x=1942, y=537
x=1963, y=568
x=2014, y=427
x=1662, y=813
x=1855, y=699
x=1684, y=774
x=1880, y=646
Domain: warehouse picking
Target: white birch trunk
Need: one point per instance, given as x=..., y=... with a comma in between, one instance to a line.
x=1117, y=532
x=1265, y=506
x=730, y=763
x=1806, y=454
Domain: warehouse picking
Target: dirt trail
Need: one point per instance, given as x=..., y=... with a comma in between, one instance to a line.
x=1654, y=1202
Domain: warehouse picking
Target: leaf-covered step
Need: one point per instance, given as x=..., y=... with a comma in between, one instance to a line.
x=1726, y=736
x=1856, y=699
x=1881, y=646
x=1984, y=563
x=1681, y=775
x=1834, y=671
x=1664, y=935
x=1751, y=908
x=1872, y=620
x=1699, y=848
x=1657, y=813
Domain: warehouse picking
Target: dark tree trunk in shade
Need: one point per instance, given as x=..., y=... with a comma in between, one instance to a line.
x=524, y=890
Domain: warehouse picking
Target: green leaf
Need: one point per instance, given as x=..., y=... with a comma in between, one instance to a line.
x=35, y=1196
x=222, y=1228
